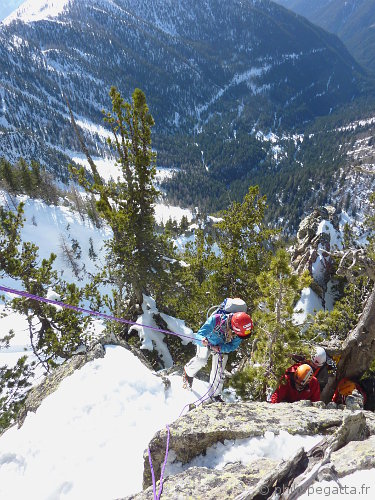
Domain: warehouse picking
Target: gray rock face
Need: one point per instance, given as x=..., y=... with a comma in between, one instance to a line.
x=356, y=455
x=202, y=483
x=354, y=401
x=193, y=433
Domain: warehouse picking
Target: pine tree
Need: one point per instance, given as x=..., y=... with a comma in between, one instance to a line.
x=14, y=384
x=54, y=333
x=245, y=248
x=7, y=176
x=184, y=224
x=276, y=335
x=134, y=263
x=194, y=294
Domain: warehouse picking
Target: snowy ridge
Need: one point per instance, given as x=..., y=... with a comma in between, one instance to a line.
x=247, y=77
x=37, y=10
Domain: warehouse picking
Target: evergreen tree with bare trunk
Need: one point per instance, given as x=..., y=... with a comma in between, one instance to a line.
x=135, y=261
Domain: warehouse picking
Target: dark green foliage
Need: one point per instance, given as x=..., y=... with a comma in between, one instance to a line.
x=194, y=293
x=32, y=180
x=245, y=249
x=276, y=335
x=54, y=332
x=14, y=383
x=10, y=240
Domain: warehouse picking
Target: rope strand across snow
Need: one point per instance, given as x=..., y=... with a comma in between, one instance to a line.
x=82, y=310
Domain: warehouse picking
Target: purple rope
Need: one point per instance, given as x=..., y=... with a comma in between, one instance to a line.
x=152, y=473
x=157, y=496
x=89, y=311
x=165, y=463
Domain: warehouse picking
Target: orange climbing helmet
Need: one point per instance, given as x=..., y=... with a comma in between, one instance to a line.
x=346, y=387
x=241, y=324
x=303, y=374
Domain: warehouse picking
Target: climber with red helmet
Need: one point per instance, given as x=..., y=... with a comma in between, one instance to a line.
x=220, y=335
x=297, y=383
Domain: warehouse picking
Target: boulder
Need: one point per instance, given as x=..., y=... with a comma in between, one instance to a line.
x=238, y=481
x=201, y=428
x=202, y=483
x=356, y=455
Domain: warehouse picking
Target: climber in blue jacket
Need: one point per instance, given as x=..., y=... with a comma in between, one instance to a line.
x=220, y=334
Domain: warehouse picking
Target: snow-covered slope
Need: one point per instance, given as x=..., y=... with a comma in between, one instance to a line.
x=37, y=10
x=87, y=439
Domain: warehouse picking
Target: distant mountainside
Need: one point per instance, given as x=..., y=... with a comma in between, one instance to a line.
x=353, y=21
x=239, y=64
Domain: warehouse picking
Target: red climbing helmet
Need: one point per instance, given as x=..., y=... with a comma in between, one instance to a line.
x=241, y=324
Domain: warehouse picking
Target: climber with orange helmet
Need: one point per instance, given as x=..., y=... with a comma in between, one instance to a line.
x=319, y=362
x=297, y=383
x=220, y=334
x=345, y=388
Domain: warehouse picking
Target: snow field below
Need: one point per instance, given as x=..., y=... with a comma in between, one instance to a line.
x=87, y=439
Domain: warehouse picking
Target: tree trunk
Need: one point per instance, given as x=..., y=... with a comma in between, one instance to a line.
x=358, y=349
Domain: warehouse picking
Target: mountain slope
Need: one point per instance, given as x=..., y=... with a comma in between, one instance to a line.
x=353, y=21
x=238, y=63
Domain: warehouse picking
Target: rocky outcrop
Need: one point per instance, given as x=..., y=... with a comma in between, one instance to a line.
x=314, y=245
x=346, y=448
x=201, y=428
x=357, y=455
